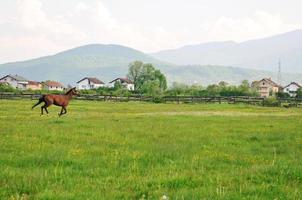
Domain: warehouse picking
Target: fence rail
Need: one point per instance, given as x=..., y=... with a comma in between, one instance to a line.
x=165, y=99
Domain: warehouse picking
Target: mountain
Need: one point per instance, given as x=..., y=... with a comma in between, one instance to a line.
x=104, y=61
x=110, y=61
x=209, y=74
x=260, y=54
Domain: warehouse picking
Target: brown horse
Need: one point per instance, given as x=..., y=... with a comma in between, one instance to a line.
x=58, y=100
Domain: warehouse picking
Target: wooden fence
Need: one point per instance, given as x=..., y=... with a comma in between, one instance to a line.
x=167, y=99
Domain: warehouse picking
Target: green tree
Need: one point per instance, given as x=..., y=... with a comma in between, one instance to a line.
x=117, y=85
x=223, y=84
x=213, y=90
x=6, y=88
x=146, y=77
x=244, y=88
x=151, y=88
x=299, y=93
x=134, y=72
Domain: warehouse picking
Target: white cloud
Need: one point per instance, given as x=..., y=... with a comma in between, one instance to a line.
x=38, y=32
x=260, y=24
x=33, y=18
x=30, y=13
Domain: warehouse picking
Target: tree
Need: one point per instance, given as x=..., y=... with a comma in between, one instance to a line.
x=223, y=84
x=282, y=94
x=135, y=69
x=151, y=88
x=177, y=89
x=244, y=88
x=146, y=77
x=299, y=93
x=117, y=85
x=213, y=90
x=6, y=88
x=245, y=84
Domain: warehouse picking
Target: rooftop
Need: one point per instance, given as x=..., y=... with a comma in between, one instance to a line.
x=53, y=84
x=93, y=80
x=16, y=77
x=123, y=80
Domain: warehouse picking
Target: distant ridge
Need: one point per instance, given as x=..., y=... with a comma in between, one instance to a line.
x=260, y=54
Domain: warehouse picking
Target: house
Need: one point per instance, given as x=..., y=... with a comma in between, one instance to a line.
x=89, y=83
x=125, y=82
x=34, y=85
x=292, y=89
x=15, y=81
x=53, y=85
x=266, y=87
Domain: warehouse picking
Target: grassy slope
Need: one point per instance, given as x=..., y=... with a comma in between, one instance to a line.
x=127, y=150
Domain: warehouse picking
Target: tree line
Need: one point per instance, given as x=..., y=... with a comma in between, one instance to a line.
x=150, y=81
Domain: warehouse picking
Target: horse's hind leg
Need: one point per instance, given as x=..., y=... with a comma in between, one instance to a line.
x=46, y=109
x=61, y=113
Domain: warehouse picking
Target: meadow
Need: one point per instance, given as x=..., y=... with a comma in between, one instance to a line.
x=103, y=150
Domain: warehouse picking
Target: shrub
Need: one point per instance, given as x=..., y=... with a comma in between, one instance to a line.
x=6, y=88
x=158, y=99
x=271, y=102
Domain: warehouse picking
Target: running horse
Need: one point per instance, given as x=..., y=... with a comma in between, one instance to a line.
x=61, y=100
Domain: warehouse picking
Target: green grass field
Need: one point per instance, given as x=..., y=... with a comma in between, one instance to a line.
x=144, y=151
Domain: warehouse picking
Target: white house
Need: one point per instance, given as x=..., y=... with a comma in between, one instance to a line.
x=125, y=82
x=89, y=83
x=15, y=81
x=291, y=89
x=53, y=85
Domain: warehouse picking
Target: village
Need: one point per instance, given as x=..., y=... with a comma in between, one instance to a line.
x=87, y=83
x=266, y=87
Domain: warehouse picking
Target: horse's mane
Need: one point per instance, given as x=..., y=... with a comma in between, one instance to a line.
x=69, y=91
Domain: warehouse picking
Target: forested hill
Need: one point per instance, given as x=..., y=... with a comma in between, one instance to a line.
x=110, y=61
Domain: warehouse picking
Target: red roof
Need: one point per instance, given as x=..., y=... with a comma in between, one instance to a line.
x=271, y=82
x=53, y=84
x=33, y=83
x=93, y=80
x=123, y=80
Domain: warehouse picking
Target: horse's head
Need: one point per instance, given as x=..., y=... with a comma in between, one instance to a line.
x=73, y=91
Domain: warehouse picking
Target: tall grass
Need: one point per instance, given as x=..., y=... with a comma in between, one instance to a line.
x=144, y=151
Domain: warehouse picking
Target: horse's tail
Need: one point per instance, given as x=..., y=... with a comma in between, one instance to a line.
x=41, y=99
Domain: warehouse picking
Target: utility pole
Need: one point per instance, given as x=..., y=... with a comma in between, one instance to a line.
x=279, y=78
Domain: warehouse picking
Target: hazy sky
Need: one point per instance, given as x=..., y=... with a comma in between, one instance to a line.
x=33, y=28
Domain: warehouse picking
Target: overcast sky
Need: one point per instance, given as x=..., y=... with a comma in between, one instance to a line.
x=33, y=28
